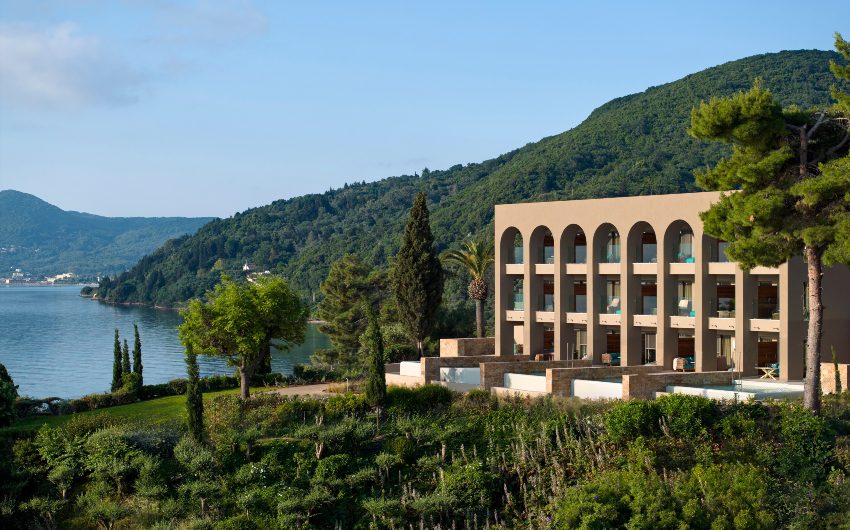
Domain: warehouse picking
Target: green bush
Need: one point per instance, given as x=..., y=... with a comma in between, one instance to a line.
x=8, y=394
x=346, y=404
x=238, y=522
x=423, y=399
x=628, y=420
x=806, y=447
x=687, y=416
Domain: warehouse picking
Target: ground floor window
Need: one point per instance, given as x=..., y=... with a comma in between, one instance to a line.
x=548, y=338
x=725, y=352
x=648, y=348
x=581, y=344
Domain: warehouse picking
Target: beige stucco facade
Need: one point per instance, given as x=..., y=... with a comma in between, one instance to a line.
x=650, y=286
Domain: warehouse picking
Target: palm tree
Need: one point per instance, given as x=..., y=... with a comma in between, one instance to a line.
x=475, y=256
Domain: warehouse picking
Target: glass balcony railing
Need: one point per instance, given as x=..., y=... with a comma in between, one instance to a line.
x=723, y=307
x=518, y=303
x=685, y=307
x=548, y=255
x=518, y=255
x=548, y=303
x=580, y=254
x=611, y=305
x=766, y=309
x=580, y=304
x=648, y=253
x=647, y=305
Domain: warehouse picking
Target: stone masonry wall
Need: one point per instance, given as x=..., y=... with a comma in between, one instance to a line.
x=467, y=347
x=493, y=373
x=430, y=366
x=559, y=381
x=827, y=377
x=645, y=385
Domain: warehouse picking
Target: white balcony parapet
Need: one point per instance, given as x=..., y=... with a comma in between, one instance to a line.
x=764, y=324
x=645, y=320
x=544, y=268
x=682, y=322
x=514, y=316
x=576, y=318
x=514, y=268
x=725, y=324
x=544, y=316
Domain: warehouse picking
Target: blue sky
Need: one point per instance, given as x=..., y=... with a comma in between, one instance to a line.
x=205, y=107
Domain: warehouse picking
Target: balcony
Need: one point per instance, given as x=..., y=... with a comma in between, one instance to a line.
x=683, y=268
x=579, y=269
x=609, y=268
x=683, y=322
x=544, y=316
x=645, y=320
x=514, y=268
x=722, y=323
x=762, y=324
x=645, y=268
x=577, y=318
x=514, y=316
x=722, y=268
x=544, y=268
x=606, y=319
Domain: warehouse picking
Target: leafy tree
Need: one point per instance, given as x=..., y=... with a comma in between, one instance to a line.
x=475, y=257
x=239, y=320
x=194, y=396
x=349, y=290
x=8, y=395
x=117, y=367
x=376, y=383
x=792, y=192
x=125, y=359
x=417, y=277
x=137, y=354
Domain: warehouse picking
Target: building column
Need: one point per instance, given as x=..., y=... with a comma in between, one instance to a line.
x=532, y=335
x=595, y=332
x=792, y=325
x=746, y=344
x=560, y=301
x=704, y=338
x=630, y=335
x=666, y=342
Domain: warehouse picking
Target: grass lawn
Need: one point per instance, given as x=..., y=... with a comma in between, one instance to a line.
x=164, y=408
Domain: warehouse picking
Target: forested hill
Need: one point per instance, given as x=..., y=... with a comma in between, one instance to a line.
x=42, y=239
x=632, y=145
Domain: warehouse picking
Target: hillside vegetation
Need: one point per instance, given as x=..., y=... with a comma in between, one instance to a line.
x=632, y=145
x=42, y=239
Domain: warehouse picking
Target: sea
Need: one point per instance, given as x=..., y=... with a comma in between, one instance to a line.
x=55, y=343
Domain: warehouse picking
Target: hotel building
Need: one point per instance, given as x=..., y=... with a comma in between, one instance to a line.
x=635, y=281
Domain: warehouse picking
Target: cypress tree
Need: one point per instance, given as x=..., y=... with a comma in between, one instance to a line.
x=125, y=358
x=417, y=276
x=137, y=353
x=376, y=383
x=117, y=368
x=194, y=397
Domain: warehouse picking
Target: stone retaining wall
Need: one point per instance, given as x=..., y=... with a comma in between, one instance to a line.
x=827, y=377
x=431, y=365
x=645, y=385
x=466, y=347
x=493, y=373
x=559, y=381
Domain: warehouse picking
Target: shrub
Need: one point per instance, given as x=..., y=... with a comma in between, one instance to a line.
x=238, y=522
x=687, y=416
x=345, y=404
x=806, y=446
x=423, y=399
x=628, y=420
x=8, y=394
x=308, y=373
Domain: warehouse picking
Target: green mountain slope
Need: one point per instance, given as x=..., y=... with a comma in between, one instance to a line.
x=630, y=146
x=42, y=239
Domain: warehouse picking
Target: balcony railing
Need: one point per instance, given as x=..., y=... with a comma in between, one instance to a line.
x=611, y=305
x=685, y=307
x=723, y=307
x=766, y=309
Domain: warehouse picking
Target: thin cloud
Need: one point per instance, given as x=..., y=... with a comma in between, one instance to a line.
x=56, y=66
x=208, y=22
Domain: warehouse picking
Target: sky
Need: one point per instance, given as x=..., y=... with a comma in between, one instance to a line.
x=207, y=108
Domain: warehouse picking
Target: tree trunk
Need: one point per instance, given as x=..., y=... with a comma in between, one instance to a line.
x=811, y=395
x=244, y=382
x=479, y=318
x=420, y=347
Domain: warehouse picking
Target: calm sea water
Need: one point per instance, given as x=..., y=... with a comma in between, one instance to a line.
x=55, y=343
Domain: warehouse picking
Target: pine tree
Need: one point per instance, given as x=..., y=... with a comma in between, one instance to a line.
x=194, y=397
x=125, y=359
x=417, y=277
x=376, y=384
x=117, y=367
x=137, y=354
x=791, y=174
x=350, y=289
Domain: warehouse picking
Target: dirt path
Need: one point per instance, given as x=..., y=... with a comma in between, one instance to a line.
x=302, y=390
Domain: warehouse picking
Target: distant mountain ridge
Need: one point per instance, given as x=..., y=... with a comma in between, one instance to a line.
x=633, y=145
x=43, y=239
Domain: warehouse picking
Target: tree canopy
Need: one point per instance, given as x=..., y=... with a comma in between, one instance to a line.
x=239, y=320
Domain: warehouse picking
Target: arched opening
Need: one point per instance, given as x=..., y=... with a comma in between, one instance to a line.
x=510, y=246
x=542, y=245
x=643, y=244
x=680, y=243
x=574, y=245
x=607, y=244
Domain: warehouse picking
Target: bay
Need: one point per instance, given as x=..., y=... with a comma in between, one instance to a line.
x=55, y=343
